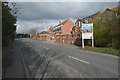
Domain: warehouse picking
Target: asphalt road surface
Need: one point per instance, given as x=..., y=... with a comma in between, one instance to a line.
x=55, y=60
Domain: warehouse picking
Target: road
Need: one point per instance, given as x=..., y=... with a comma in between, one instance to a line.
x=55, y=60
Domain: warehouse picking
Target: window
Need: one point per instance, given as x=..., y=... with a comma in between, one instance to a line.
x=59, y=29
x=76, y=30
x=77, y=25
x=45, y=36
x=71, y=32
x=53, y=30
x=78, y=34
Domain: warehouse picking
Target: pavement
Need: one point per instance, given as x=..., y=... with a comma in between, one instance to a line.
x=13, y=64
x=41, y=59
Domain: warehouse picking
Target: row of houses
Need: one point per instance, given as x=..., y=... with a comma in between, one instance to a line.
x=68, y=32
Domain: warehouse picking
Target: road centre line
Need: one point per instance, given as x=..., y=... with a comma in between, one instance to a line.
x=79, y=59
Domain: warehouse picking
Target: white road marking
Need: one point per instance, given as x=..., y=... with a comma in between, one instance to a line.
x=30, y=46
x=79, y=59
x=46, y=48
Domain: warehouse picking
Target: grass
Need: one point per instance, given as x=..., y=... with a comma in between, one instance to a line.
x=104, y=50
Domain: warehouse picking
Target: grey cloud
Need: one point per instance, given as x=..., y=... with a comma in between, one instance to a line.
x=51, y=12
x=60, y=10
x=25, y=26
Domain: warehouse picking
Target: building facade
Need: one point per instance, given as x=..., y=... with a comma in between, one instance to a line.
x=63, y=28
x=76, y=30
x=74, y=35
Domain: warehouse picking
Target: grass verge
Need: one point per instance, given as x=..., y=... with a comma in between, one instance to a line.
x=103, y=50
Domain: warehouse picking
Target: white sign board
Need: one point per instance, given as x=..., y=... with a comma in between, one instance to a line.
x=87, y=31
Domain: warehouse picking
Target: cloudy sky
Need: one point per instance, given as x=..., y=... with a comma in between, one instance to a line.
x=44, y=14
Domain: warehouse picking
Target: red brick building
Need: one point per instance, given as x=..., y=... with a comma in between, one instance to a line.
x=50, y=29
x=74, y=35
x=64, y=32
x=63, y=28
x=76, y=30
x=44, y=35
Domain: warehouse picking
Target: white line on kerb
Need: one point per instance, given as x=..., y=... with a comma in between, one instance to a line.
x=78, y=59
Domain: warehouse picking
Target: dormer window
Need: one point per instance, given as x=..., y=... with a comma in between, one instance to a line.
x=79, y=23
x=86, y=21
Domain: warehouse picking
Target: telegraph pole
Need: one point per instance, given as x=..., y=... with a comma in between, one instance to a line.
x=36, y=31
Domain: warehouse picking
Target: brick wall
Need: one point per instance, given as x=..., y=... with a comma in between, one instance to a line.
x=43, y=37
x=33, y=37
x=69, y=39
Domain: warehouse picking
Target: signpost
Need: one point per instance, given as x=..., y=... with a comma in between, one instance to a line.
x=87, y=33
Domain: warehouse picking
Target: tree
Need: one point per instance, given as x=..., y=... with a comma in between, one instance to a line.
x=106, y=30
x=8, y=23
x=33, y=32
x=21, y=35
x=116, y=43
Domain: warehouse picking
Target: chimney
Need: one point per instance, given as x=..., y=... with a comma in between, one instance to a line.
x=75, y=24
x=51, y=26
x=60, y=22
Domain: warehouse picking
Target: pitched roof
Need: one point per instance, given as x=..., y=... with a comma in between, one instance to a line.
x=62, y=23
x=73, y=28
x=115, y=8
x=81, y=20
x=91, y=15
x=44, y=32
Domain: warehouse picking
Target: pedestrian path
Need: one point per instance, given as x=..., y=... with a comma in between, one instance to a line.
x=14, y=68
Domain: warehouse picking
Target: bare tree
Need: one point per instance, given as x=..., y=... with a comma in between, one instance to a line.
x=33, y=32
